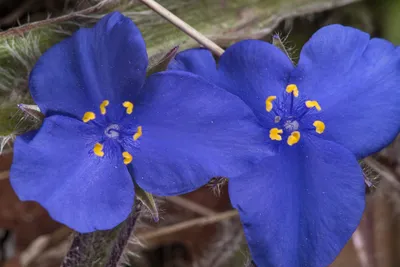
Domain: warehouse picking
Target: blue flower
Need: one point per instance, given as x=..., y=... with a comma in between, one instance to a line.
x=339, y=104
x=105, y=121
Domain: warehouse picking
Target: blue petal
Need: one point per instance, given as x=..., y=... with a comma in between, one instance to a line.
x=355, y=80
x=54, y=167
x=254, y=70
x=199, y=61
x=300, y=208
x=108, y=61
x=192, y=131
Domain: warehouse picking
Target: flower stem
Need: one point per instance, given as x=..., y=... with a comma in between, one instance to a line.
x=101, y=248
x=123, y=237
x=183, y=26
x=74, y=255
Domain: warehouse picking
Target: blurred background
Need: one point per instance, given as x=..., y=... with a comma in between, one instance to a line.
x=197, y=229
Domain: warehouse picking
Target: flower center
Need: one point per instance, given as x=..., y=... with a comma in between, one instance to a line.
x=288, y=118
x=113, y=131
x=291, y=125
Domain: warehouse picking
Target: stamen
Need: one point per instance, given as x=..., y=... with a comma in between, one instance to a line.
x=98, y=150
x=268, y=102
x=319, y=126
x=127, y=157
x=138, y=133
x=292, y=88
x=313, y=104
x=129, y=107
x=103, y=106
x=88, y=116
x=293, y=138
x=274, y=134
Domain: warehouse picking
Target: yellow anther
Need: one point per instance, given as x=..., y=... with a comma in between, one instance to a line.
x=319, y=126
x=103, y=106
x=292, y=88
x=268, y=102
x=127, y=157
x=313, y=104
x=98, y=150
x=293, y=138
x=88, y=116
x=274, y=134
x=138, y=133
x=129, y=107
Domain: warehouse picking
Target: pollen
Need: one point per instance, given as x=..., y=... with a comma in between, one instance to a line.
x=138, y=133
x=319, y=126
x=129, y=107
x=294, y=138
x=313, y=104
x=127, y=157
x=88, y=116
x=98, y=150
x=103, y=106
x=275, y=133
x=292, y=88
x=268, y=102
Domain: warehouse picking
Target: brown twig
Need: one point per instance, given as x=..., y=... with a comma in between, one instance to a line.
x=363, y=237
x=4, y=175
x=187, y=224
x=183, y=26
x=42, y=243
x=191, y=205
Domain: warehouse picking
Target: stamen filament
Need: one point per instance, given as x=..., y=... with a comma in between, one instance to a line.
x=275, y=133
x=313, y=104
x=268, y=103
x=103, y=106
x=98, y=150
x=127, y=157
x=294, y=138
x=319, y=126
x=292, y=88
x=138, y=133
x=88, y=116
x=129, y=107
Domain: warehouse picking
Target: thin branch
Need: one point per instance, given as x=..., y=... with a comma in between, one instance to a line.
x=191, y=205
x=362, y=243
x=42, y=243
x=183, y=26
x=4, y=175
x=187, y=224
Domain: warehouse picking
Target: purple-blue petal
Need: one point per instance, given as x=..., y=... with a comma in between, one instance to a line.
x=355, y=80
x=199, y=61
x=192, y=131
x=254, y=70
x=54, y=167
x=106, y=62
x=301, y=207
